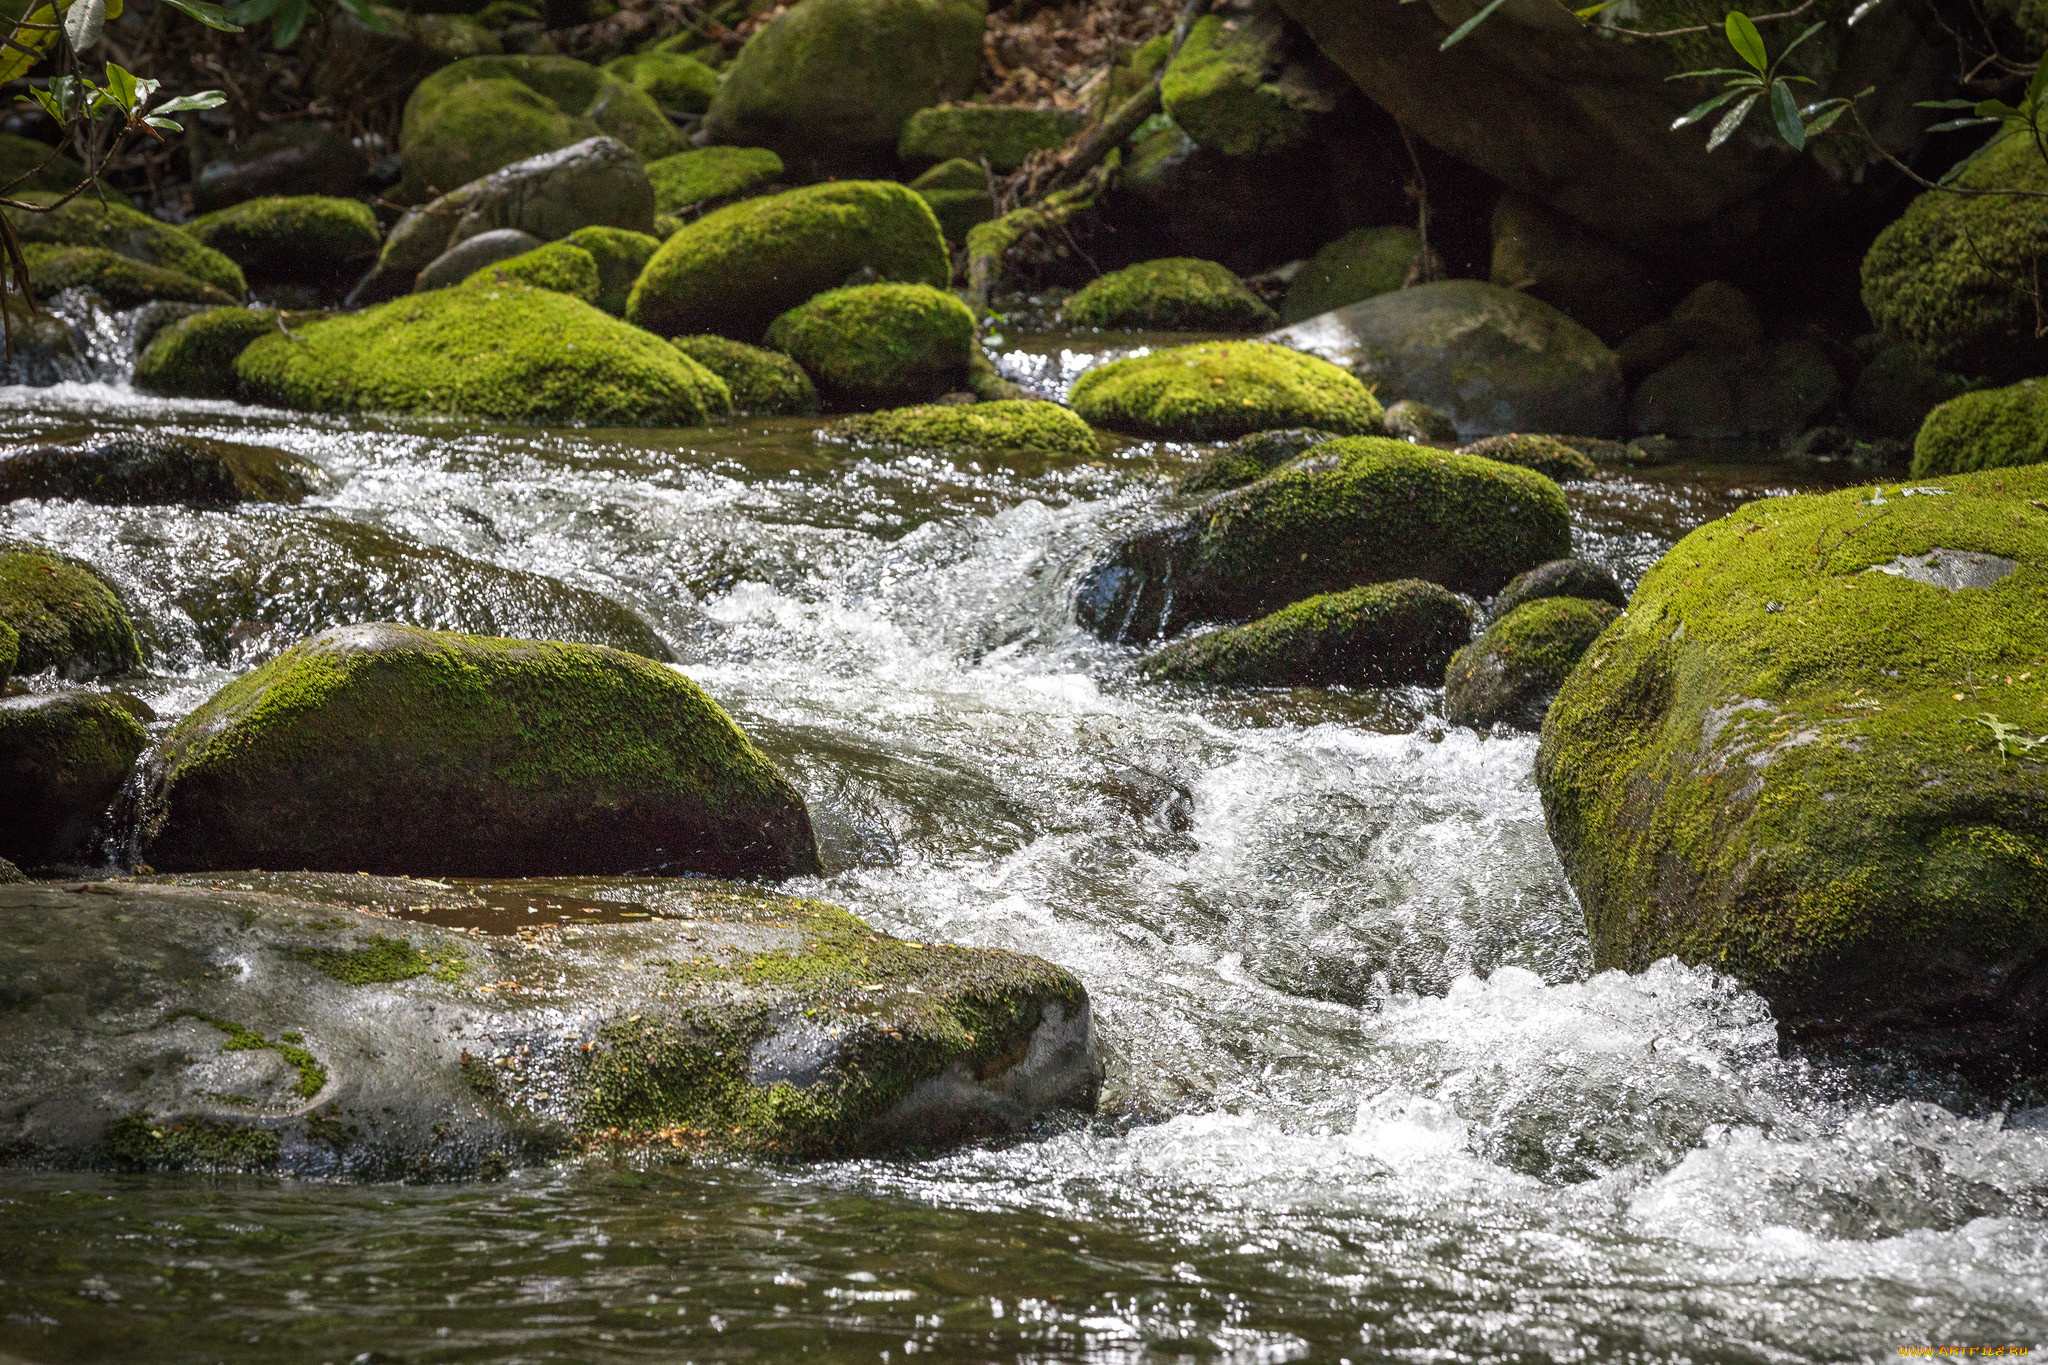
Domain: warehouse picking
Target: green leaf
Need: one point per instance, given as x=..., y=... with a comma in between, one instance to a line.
x=1945, y=104
x=1702, y=109
x=121, y=87
x=1785, y=113
x=367, y=14
x=213, y=16
x=1810, y=31
x=1816, y=126
x=205, y=99
x=153, y=121
x=2038, y=86
x=1591, y=10
x=1732, y=120
x=1716, y=71
x=1747, y=42
x=1458, y=33
x=286, y=25
x=1997, y=109
x=1956, y=125
x=83, y=23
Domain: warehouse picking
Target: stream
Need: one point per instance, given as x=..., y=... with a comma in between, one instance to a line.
x=1365, y=1099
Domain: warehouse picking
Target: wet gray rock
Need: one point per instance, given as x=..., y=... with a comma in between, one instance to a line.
x=1951, y=569
x=1560, y=578
x=156, y=467
x=46, y=350
x=459, y=262
x=289, y=158
x=1251, y=457
x=63, y=758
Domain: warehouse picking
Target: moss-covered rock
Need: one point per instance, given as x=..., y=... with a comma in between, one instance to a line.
x=509, y=352
x=1251, y=457
x=1545, y=454
x=875, y=344
x=120, y=281
x=738, y=269
x=1798, y=758
x=958, y=192
x=1764, y=392
x=1381, y=635
x=558, y=266
x=1219, y=86
x=63, y=757
x=1179, y=294
x=1354, y=511
x=124, y=231
x=1362, y=264
x=1223, y=389
x=67, y=617
x=1993, y=429
x=711, y=176
x=670, y=79
x=1943, y=276
x=1560, y=578
x=1002, y=135
x=1409, y=420
x=620, y=255
x=1509, y=674
x=391, y=749
x=999, y=430
x=39, y=166
x=1897, y=389
x=473, y=254
x=10, y=650
x=762, y=382
x=300, y=239
x=146, y=467
x=830, y=82
x=195, y=357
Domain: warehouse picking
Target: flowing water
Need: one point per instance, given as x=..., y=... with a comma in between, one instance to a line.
x=1365, y=1100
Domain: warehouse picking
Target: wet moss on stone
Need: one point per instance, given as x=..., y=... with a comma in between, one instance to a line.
x=764, y=383
x=1546, y=455
x=1560, y=578
x=1005, y=428
x=63, y=760
x=195, y=357
x=1215, y=88
x=711, y=176
x=312, y=1075
x=310, y=236
x=120, y=280
x=879, y=343
x=66, y=616
x=1992, y=429
x=1510, y=673
x=1000, y=134
x=621, y=254
x=670, y=79
x=384, y=960
x=558, y=266
x=10, y=650
x=1380, y=635
x=1251, y=457
x=137, y=1142
x=958, y=192
x=1178, y=294
x=1224, y=389
x=84, y=221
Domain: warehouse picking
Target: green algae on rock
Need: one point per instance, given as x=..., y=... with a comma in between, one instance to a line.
x=504, y=351
x=1177, y=294
x=1002, y=135
x=1223, y=389
x=66, y=616
x=195, y=357
x=875, y=344
x=738, y=269
x=1251, y=457
x=146, y=467
x=121, y=281
x=1381, y=635
x=127, y=232
x=1992, y=429
x=621, y=254
x=1005, y=428
x=389, y=748
x=762, y=382
x=709, y=176
x=1362, y=264
x=1546, y=455
x=558, y=266
x=63, y=758
x=1798, y=759
x=1509, y=674
x=1359, y=510
x=306, y=238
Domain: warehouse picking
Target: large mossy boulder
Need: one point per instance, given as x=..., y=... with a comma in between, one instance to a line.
x=763, y=383
x=1494, y=359
x=877, y=344
x=1546, y=455
x=829, y=84
x=63, y=758
x=1798, y=758
x=386, y=748
x=66, y=617
x=146, y=467
x=1004, y=430
x=84, y=221
x=1224, y=389
x=558, y=266
x=306, y=239
x=958, y=191
x=738, y=269
x=1178, y=294
x=1993, y=429
x=359, y=1039
x=671, y=79
x=120, y=281
x=504, y=351
x=1380, y=635
x=1356, y=511
x=1509, y=674
x=195, y=357
x=711, y=176
x=1362, y=264
x=39, y=166
x=1001, y=135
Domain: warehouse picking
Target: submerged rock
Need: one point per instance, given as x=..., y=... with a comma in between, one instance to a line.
x=1001, y=135
x=998, y=430
x=1178, y=294
x=145, y=467
x=387, y=748
x=1223, y=389
x=1251, y=457
x=350, y=1043
x=1381, y=635
x=66, y=617
x=1810, y=771
x=126, y=232
x=876, y=344
x=1560, y=578
x=1509, y=674
x=194, y=357
x=63, y=758
x=762, y=382
x=1360, y=265
x=711, y=176
x=1995, y=429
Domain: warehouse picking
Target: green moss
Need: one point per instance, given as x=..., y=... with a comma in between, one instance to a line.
x=1409, y=420
x=1777, y=762
x=958, y=192
x=65, y=615
x=764, y=383
x=711, y=176
x=996, y=430
x=1944, y=274
x=1381, y=635
x=116, y=228
x=138, y=1142
x=621, y=254
x=1179, y=294
x=63, y=759
x=670, y=79
x=1510, y=673
x=1251, y=457
x=299, y=236
x=386, y=960
x=1215, y=89
x=957, y=174
x=1993, y=429
x=10, y=650
x=1360, y=265
x=120, y=280
x=509, y=352
x=195, y=357
x=312, y=1075
x=45, y=169
x=877, y=343
x=739, y=268
x=1545, y=454
x=1223, y=389
x=1002, y=135
x=558, y=266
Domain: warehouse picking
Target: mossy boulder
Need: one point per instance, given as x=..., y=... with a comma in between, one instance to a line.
x=1362, y=264
x=1545, y=454
x=66, y=616
x=1221, y=87
x=1355, y=511
x=1943, y=275
x=1509, y=674
x=1179, y=294
x=558, y=266
x=1251, y=457
x=1223, y=389
x=10, y=650
x=1797, y=758
x=958, y=192
x=1897, y=389
x=122, y=230
x=1381, y=635
x=738, y=269
x=1993, y=429
x=121, y=281
x=63, y=758
x=670, y=79
x=830, y=83
x=1001, y=135
x=145, y=467
x=711, y=176
x=1764, y=392
x=503, y=351
x=1604, y=287
x=763, y=383
x=195, y=357
x=620, y=255
x=306, y=239
x=875, y=344
x=39, y=166
x=387, y=748
x=1560, y=578
x=1000, y=431
x=45, y=347
x=1408, y=420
